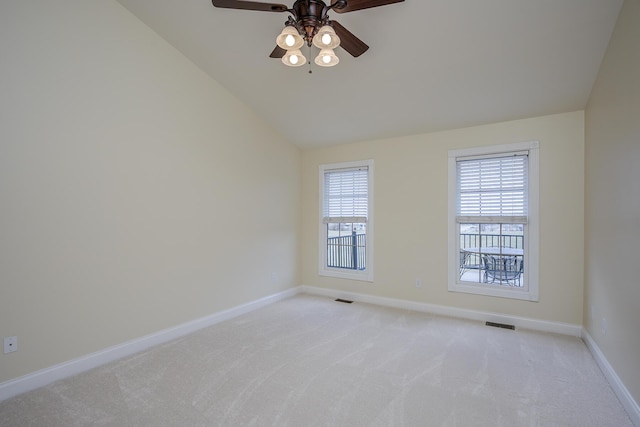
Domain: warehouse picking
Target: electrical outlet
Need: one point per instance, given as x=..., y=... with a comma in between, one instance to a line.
x=603, y=325
x=10, y=344
x=274, y=277
x=418, y=283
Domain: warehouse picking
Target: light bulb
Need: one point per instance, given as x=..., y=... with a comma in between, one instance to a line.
x=326, y=38
x=326, y=58
x=293, y=59
x=290, y=40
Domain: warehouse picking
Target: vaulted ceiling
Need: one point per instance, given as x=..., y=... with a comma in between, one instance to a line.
x=432, y=64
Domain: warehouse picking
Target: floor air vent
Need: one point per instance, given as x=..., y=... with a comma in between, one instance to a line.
x=500, y=325
x=346, y=301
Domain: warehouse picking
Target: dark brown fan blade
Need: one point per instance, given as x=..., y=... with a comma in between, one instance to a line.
x=278, y=52
x=250, y=5
x=348, y=41
x=364, y=4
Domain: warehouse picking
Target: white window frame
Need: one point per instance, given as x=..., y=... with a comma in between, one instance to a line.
x=324, y=270
x=530, y=290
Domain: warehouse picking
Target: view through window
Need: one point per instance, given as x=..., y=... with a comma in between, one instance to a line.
x=492, y=218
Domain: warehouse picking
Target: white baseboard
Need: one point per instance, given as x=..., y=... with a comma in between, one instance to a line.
x=616, y=384
x=518, y=322
x=81, y=364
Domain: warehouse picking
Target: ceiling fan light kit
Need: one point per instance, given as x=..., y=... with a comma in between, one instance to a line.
x=324, y=39
x=309, y=23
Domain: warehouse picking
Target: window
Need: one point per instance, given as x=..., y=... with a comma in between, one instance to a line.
x=493, y=225
x=346, y=226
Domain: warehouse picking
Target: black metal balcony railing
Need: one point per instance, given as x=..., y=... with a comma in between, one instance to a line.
x=491, y=241
x=347, y=252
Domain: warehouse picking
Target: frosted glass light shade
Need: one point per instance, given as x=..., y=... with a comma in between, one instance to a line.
x=326, y=58
x=294, y=58
x=289, y=39
x=326, y=38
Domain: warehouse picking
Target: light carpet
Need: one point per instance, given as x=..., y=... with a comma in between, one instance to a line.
x=311, y=361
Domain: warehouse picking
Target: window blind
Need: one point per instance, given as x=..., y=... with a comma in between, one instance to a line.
x=346, y=195
x=493, y=187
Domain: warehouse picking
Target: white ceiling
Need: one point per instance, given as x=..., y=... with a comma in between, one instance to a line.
x=432, y=64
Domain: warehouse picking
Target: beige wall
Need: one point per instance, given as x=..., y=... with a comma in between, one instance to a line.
x=411, y=215
x=135, y=192
x=612, y=209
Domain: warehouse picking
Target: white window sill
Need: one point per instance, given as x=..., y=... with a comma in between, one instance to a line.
x=363, y=276
x=494, y=291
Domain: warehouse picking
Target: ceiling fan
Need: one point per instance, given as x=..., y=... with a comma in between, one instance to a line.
x=309, y=23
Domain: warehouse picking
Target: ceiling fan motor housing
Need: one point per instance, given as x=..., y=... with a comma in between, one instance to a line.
x=309, y=15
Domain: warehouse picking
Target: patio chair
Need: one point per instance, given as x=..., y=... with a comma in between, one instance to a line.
x=466, y=259
x=463, y=259
x=492, y=268
x=513, y=268
x=503, y=269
